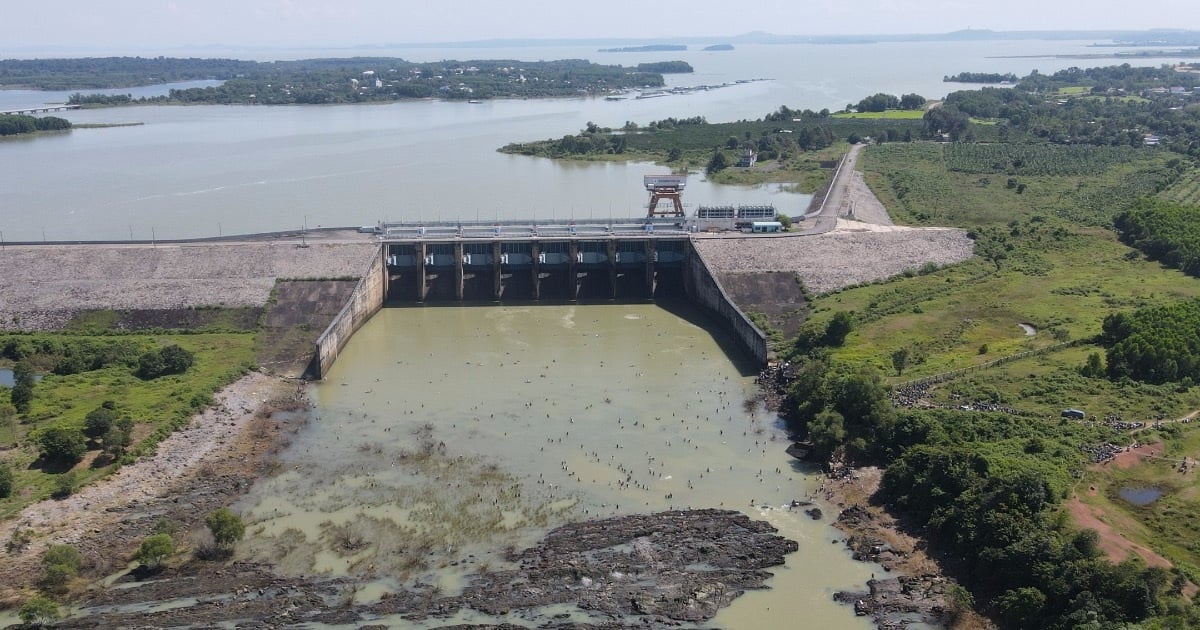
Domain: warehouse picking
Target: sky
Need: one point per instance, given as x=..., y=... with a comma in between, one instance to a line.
x=123, y=25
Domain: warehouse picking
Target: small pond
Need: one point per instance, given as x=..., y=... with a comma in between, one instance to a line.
x=1140, y=496
x=7, y=380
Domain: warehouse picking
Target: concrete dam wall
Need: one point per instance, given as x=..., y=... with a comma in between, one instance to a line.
x=365, y=301
x=496, y=270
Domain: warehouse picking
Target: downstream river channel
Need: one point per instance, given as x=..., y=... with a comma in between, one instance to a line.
x=446, y=435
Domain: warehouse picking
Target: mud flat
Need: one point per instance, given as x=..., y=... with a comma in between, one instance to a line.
x=44, y=286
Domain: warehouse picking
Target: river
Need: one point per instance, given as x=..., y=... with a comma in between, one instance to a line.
x=432, y=462
x=210, y=170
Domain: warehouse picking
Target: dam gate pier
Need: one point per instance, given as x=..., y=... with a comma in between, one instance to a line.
x=493, y=263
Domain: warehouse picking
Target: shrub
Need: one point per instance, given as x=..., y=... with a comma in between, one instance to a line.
x=155, y=550
x=227, y=528
x=38, y=611
x=6, y=480
x=60, y=563
x=65, y=485
x=170, y=359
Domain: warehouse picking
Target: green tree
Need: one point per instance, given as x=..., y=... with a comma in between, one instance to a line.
x=827, y=431
x=227, y=528
x=155, y=550
x=1022, y=607
x=900, y=360
x=1094, y=368
x=38, y=611
x=717, y=163
x=24, y=379
x=6, y=480
x=912, y=101
x=98, y=422
x=62, y=445
x=838, y=327
x=118, y=437
x=170, y=359
x=8, y=418
x=674, y=154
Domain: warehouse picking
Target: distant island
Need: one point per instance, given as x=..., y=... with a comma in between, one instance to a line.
x=666, y=67
x=648, y=48
x=335, y=80
x=981, y=77
x=719, y=47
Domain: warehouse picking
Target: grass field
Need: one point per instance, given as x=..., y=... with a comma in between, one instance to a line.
x=157, y=406
x=1054, y=274
x=891, y=114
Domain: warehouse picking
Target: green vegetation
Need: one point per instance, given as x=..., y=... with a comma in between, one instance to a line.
x=155, y=550
x=1036, y=159
x=981, y=77
x=666, y=67
x=888, y=114
x=60, y=565
x=799, y=147
x=227, y=528
x=169, y=359
x=975, y=452
x=1164, y=231
x=1156, y=345
x=14, y=124
x=38, y=611
x=90, y=411
x=882, y=102
x=6, y=480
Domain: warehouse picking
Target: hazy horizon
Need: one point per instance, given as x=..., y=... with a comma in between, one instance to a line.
x=165, y=25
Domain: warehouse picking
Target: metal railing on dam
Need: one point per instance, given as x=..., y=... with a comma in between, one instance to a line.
x=522, y=262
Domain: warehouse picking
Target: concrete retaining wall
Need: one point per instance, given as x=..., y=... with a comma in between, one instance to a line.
x=703, y=290
x=366, y=300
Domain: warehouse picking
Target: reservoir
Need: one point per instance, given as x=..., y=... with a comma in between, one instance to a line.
x=195, y=171
x=447, y=435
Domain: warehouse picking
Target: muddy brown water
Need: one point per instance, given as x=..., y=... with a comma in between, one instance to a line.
x=445, y=436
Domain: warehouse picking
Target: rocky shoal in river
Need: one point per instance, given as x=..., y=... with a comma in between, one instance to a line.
x=645, y=571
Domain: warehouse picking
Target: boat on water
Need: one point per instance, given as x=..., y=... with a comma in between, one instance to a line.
x=652, y=94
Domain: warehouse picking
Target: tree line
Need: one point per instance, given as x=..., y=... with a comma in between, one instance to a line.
x=15, y=124
x=1156, y=344
x=1165, y=231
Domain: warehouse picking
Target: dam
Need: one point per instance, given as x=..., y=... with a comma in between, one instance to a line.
x=521, y=262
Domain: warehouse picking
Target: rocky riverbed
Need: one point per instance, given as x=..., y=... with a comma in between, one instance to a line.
x=646, y=571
